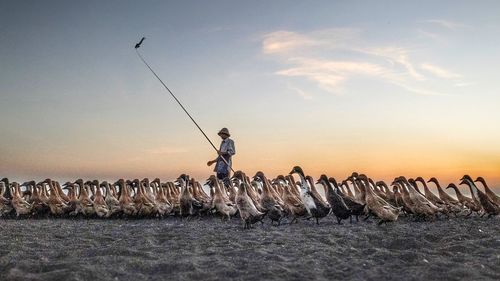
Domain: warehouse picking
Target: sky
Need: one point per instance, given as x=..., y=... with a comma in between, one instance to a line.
x=385, y=88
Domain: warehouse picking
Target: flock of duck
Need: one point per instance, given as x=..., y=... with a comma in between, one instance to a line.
x=252, y=199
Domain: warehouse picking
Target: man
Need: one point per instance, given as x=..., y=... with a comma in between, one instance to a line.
x=226, y=151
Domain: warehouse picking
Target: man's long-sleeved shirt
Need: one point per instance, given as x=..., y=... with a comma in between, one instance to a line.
x=228, y=150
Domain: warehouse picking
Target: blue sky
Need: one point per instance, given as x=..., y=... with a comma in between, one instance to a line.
x=385, y=87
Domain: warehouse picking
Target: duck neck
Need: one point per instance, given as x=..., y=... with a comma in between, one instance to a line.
x=329, y=187
x=471, y=183
x=438, y=186
x=98, y=192
x=404, y=190
x=459, y=194
x=415, y=185
x=472, y=192
x=365, y=189
x=53, y=193
x=355, y=186
x=349, y=191
x=107, y=190
x=304, y=187
x=265, y=186
x=426, y=188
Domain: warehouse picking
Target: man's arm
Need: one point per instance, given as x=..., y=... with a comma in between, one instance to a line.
x=227, y=150
x=211, y=162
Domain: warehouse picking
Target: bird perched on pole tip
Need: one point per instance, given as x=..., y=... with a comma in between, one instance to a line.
x=140, y=42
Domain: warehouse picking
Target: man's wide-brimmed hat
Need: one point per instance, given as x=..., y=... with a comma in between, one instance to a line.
x=224, y=131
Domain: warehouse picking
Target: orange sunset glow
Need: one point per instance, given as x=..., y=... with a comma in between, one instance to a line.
x=410, y=94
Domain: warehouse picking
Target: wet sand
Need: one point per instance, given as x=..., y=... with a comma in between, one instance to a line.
x=208, y=249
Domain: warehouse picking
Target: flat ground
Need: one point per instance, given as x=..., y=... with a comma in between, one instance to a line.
x=208, y=249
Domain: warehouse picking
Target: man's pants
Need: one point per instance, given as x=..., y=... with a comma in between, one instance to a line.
x=225, y=179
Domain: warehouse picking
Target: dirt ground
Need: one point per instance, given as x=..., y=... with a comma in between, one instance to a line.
x=208, y=249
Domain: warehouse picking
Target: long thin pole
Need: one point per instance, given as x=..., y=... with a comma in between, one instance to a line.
x=183, y=108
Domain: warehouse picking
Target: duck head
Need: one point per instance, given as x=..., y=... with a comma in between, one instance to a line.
x=239, y=175
x=119, y=182
x=259, y=176
x=5, y=181
x=334, y=181
x=466, y=177
x=28, y=183
x=211, y=181
x=323, y=179
x=451, y=185
x=420, y=179
x=180, y=182
x=361, y=177
x=433, y=180
x=412, y=182
x=281, y=178
x=481, y=180
x=297, y=170
x=184, y=177
x=68, y=185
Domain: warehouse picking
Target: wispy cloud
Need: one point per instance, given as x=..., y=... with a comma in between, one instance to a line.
x=331, y=57
x=165, y=150
x=395, y=55
x=301, y=93
x=328, y=74
x=285, y=41
x=428, y=34
x=446, y=23
x=439, y=71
